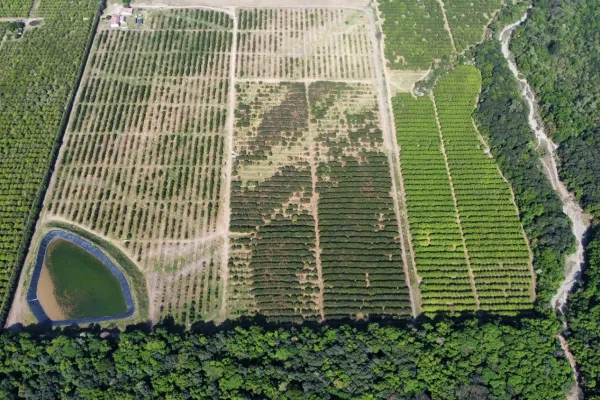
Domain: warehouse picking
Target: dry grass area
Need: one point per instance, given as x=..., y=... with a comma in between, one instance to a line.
x=291, y=44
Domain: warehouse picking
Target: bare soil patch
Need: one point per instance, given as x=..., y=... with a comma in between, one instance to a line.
x=47, y=298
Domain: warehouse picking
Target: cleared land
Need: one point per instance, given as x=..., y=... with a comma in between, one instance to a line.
x=142, y=158
x=469, y=245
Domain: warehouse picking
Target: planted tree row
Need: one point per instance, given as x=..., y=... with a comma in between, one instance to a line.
x=37, y=77
x=495, y=240
x=304, y=43
x=273, y=264
x=439, y=253
x=414, y=33
x=190, y=19
x=467, y=19
x=162, y=53
x=361, y=254
x=15, y=8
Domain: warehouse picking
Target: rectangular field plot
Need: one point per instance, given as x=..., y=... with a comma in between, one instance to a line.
x=438, y=247
x=304, y=43
x=313, y=230
x=414, y=33
x=273, y=252
x=361, y=252
x=469, y=247
x=141, y=163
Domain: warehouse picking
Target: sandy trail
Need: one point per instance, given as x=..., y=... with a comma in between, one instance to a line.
x=228, y=169
x=579, y=219
x=315, y=211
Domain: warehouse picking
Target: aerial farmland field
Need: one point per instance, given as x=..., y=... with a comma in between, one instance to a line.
x=254, y=161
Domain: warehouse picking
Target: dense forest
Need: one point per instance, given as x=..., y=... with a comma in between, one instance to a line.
x=557, y=51
x=583, y=316
x=446, y=360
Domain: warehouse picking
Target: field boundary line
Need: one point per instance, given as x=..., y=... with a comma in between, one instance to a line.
x=385, y=110
x=226, y=190
x=315, y=209
x=458, y=221
x=447, y=24
x=229, y=10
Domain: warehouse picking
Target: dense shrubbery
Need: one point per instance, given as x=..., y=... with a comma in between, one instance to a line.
x=557, y=50
x=443, y=360
x=580, y=168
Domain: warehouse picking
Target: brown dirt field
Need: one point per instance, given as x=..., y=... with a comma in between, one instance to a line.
x=45, y=294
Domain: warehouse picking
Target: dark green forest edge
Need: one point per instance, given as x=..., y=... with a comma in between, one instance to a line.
x=453, y=357
x=557, y=51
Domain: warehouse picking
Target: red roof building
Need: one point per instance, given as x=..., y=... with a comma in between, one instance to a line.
x=114, y=21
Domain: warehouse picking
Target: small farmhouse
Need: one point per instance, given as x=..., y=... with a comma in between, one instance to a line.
x=114, y=21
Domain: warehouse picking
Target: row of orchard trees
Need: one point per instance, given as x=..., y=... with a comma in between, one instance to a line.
x=361, y=253
x=416, y=34
x=498, y=252
x=469, y=247
x=37, y=79
x=437, y=242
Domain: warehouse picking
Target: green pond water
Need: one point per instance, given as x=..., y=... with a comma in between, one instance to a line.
x=83, y=286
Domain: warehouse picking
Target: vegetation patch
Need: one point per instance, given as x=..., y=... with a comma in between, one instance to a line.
x=414, y=33
x=362, y=260
x=38, y=74
x=470, y=249
x=15, y=8
x=468, y=19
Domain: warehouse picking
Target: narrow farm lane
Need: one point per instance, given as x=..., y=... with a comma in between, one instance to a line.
x=389, y=134
x=227, y=171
